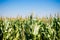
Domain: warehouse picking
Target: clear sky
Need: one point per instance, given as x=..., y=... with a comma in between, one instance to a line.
x=23, y=8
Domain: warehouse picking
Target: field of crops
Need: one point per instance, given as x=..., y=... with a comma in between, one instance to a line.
x=30, y=28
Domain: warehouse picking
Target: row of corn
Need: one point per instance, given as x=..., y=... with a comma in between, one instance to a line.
x=30, y=28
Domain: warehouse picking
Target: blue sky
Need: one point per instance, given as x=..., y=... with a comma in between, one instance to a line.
x=13, y=8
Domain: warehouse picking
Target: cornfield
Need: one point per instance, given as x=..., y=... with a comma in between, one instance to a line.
x=30, y=28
